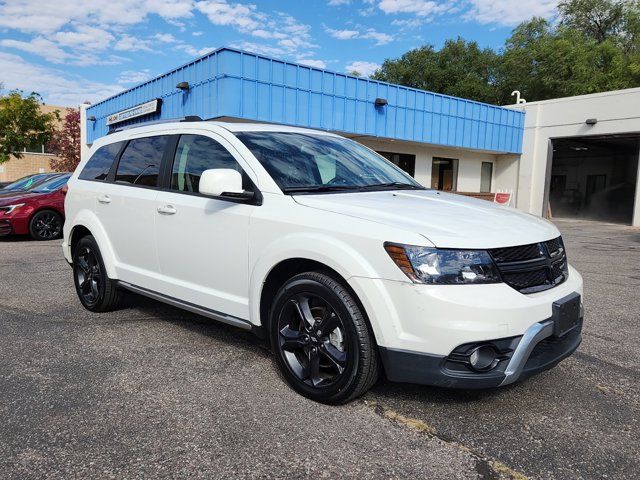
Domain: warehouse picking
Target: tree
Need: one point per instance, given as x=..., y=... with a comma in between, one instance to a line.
x=23, y=124
x=65, y=143
x=460, y=68
x=542, y=62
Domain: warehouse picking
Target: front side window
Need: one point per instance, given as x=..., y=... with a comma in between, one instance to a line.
x=302, y=162
x=140, y=161
x=98, y=166
x=194, y=155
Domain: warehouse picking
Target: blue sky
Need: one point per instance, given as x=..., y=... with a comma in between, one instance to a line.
x=72, y=51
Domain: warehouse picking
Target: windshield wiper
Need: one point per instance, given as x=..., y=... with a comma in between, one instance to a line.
x=320, y=188
x=398, y=185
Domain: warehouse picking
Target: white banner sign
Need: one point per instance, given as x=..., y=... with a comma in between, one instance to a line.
x=138, y=111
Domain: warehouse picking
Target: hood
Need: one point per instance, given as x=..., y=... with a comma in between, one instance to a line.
x=446, y=220
x=10, y=198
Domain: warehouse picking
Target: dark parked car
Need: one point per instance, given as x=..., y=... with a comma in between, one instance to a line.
x=38, y=212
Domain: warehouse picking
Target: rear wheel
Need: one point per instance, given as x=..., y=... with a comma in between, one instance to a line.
x=96, y=291
x=46, y=225
x=321, y=340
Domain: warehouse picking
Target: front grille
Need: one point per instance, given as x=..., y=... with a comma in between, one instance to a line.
x=534, y=267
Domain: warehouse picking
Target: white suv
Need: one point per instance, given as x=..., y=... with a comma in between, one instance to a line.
x=341, y=260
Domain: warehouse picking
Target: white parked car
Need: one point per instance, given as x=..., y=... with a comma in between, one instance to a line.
x=347, y=265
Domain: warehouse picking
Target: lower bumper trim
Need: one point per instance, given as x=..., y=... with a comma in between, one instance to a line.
x=537, y=350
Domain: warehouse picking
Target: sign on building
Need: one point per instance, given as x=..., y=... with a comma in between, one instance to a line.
x=134, y=112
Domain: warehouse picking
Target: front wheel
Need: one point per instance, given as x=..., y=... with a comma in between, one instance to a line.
x=96, y=291
x=321, y=339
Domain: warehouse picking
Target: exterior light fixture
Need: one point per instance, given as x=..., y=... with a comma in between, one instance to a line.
x=91, y=118
x=183, y=86
x=591, y=121
x=381, y=102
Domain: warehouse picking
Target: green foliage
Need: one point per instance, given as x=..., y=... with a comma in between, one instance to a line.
x=460, y=68
x=594, y=47
x=22, y=124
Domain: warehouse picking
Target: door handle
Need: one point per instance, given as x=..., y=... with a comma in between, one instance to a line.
x=167, y=210
x=104, y=199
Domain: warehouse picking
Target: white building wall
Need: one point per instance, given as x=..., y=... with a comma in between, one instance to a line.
x=617, y=112
x=469, y=164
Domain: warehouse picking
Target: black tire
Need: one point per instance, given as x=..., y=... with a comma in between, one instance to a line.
x=321, y=340
x=46, y=225
x=96, y=291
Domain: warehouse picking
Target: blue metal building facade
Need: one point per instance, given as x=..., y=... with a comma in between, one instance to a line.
x=232, y=83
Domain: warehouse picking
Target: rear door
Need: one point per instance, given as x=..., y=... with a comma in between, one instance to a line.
x=203, y=241
x=126, y=205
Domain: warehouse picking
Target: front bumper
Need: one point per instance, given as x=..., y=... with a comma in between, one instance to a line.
x=534, y=352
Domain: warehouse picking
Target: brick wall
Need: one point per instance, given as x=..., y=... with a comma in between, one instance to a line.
x=30, y=162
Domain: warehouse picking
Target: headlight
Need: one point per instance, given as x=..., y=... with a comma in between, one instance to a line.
x=444, y=267
x=7, y=209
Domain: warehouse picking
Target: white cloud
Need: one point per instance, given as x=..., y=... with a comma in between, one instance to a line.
x=379, y=37
x=368, y=34
x=236, y=15
x=133, y=76
x=47, y=17
x=164, y=37
x=129, y=43
x=365, y=69
x=335, y=3
x=422, y=8
x=509, y=12
x=55, y=86
x=343, y=34
x=313, y=63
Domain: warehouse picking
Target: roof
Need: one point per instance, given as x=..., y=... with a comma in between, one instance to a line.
x=242, y=85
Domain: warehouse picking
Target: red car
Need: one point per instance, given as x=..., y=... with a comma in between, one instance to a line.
x=38, y=212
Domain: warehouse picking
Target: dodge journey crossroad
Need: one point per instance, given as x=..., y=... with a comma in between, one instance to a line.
x=347, y=266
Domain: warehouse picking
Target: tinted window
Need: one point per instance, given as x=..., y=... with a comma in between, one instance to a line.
x=194, y=155
x=98, y=166
x=140, y=161
x=26, y=183
x=301, y=161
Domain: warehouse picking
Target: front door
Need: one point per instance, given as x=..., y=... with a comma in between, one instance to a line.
x=203, y=246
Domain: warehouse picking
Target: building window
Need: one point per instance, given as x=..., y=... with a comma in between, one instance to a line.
x=403, y=160
x=444, y=174
x=486, y=173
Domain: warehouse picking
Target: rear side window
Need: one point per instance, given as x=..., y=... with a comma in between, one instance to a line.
x=98, y=166
x=194, y=155
x=140, y=161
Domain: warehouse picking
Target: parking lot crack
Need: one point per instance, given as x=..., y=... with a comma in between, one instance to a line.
x=486, y=468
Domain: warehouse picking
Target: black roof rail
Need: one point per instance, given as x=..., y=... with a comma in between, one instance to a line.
x=188, y=118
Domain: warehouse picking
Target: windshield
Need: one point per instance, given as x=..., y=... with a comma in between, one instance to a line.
x=53, y=184
x=302, y=162
x=25, y=183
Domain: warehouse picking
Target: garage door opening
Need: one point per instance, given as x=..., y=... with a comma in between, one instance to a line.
x=594, y=178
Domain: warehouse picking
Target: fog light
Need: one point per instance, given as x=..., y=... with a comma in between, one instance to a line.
x=483, y=358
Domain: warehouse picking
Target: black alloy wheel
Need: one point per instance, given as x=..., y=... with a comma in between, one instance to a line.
x=96, y=291
x=88, y=275
x=322, y=342
x=311, y=337
x=46, y=225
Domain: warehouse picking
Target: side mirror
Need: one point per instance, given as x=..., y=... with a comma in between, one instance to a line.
x=64, y=189
x=223, y=182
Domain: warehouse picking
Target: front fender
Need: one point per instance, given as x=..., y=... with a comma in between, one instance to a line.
x=324, y=249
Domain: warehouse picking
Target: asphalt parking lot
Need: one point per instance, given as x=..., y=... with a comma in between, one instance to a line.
x=151, y=391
